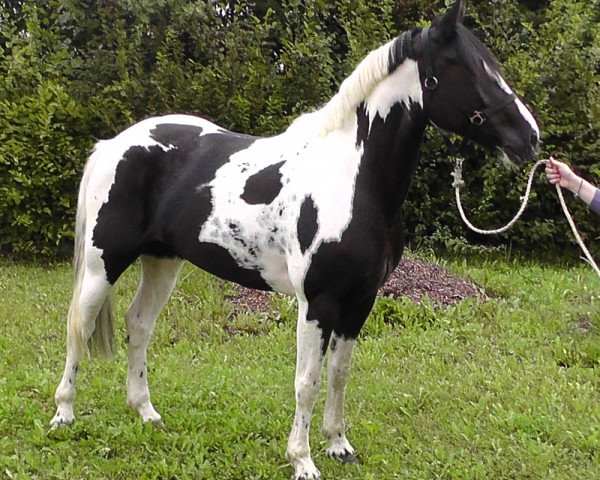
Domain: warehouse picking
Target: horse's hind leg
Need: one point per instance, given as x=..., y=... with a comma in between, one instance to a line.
x=158, y=279
x=90, y=302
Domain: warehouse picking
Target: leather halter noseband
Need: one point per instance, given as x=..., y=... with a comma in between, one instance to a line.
x=478, y=117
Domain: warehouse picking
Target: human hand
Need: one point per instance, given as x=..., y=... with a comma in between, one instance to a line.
x=561, y=173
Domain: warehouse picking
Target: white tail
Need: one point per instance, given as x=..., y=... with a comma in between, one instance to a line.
x=102, y=336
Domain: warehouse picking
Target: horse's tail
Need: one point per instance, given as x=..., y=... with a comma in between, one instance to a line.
x=78, y=336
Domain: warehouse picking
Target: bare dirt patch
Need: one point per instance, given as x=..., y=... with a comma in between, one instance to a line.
x=414, y=279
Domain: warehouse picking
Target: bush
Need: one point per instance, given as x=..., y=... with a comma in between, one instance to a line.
x=551, y=57
x=74, y=71
x=42, y=155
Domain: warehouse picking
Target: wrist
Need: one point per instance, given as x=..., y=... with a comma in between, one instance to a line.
x=575, y=185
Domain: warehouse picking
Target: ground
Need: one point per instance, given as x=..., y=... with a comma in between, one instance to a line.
x=413, y=279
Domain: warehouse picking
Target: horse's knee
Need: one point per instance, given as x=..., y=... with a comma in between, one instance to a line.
x=307, y=388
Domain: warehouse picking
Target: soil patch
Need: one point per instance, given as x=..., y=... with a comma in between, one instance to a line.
x=413, y=278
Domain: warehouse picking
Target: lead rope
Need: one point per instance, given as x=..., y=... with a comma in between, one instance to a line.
x=459, y=183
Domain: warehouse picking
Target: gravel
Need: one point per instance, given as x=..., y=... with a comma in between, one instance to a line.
x=414, y=279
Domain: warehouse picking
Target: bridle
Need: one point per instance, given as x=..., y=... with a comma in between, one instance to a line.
x=431, y=82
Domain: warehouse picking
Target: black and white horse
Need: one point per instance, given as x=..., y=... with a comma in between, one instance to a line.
x=315, y=212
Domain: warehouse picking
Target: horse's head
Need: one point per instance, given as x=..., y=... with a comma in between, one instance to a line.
x=464, y=91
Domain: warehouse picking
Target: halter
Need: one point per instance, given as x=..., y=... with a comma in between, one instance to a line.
x=478, y=117
x=431, y=81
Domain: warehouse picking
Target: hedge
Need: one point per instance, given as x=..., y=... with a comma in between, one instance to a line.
x=75, y=71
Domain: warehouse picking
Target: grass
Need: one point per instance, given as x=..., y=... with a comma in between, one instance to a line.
x=503, y=389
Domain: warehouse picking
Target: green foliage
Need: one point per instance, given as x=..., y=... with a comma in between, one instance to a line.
x=550, y=56
x=41, y=156
x=75, y=71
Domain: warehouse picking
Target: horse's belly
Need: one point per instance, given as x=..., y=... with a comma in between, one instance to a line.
x=250, y=254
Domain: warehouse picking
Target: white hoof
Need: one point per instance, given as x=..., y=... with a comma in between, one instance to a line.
x=63, y=417
x=306, y=470
x=147, y=412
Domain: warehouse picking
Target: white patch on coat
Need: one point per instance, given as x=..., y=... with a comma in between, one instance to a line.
x=402, y=86
x=320, y=161
x=265, y=235
x=525, y=113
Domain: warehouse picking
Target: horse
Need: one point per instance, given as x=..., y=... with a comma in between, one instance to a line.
x=314, y=212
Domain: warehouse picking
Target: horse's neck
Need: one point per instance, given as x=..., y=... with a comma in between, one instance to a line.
x=389, y=160
x=391, y=125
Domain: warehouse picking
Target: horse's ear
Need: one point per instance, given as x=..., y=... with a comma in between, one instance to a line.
x=451, y=19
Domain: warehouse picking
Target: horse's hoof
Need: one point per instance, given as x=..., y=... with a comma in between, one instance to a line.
x=157, y=423
x=348, y=457
x=307, y=476
x=345, y=457
x=307, y=472
x=60, y=421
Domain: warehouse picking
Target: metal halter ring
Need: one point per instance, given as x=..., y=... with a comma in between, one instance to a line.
x=478, y=118
x=431, y=83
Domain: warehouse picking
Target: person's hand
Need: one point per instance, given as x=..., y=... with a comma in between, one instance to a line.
x=561, y=173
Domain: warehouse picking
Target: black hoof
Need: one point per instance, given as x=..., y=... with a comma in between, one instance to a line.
x=346, y=457
x=156, y=424
x=159, y=424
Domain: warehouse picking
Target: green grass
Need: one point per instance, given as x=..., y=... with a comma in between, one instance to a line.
x=506, y=389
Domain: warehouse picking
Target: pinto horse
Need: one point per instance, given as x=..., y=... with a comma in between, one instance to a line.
x=315, y=212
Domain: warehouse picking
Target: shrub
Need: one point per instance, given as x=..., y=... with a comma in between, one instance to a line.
x=74, y=71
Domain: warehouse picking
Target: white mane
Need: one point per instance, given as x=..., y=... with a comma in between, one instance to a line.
x=365, y=77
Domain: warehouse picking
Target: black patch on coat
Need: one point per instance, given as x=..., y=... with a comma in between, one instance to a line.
x=123, y=222
x=362, y=130
x=344, y=276
x=160, y=199
x=264, y=186
x=307, y=223
x=175, y=135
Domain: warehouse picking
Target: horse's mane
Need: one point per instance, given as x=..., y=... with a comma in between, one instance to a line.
x=354, y=89
x=376, y=66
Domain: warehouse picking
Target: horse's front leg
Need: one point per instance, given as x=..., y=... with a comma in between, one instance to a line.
x=338, y=369
x=311, y=345
x=341, y=346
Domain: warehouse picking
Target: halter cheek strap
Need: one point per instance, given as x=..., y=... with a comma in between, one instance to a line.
x=431, y=81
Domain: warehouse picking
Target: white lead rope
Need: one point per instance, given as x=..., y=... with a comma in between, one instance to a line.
x=459, y=183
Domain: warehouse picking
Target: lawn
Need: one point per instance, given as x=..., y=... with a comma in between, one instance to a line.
x=502, y=389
